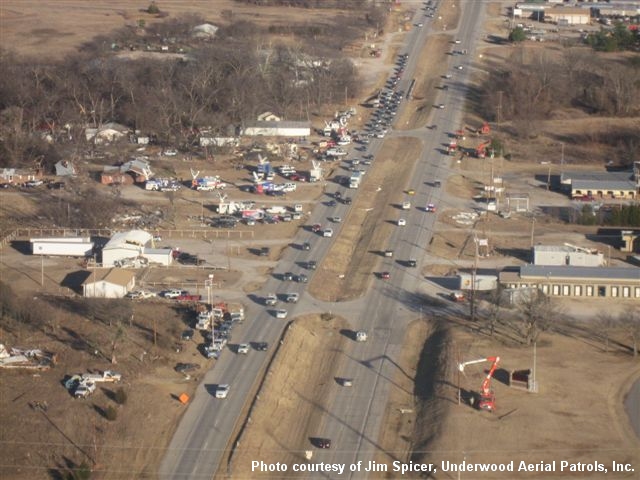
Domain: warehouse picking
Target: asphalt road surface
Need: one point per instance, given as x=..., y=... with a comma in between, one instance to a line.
x=353, y=420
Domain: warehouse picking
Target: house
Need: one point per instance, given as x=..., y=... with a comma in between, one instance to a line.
x=567, y=16
x=268, y=117
x=205, y=31
x=16, y=176
x=116, y=175
x=131, y=246
x=108, y=132
x=622, y=185
x=108, y=283
x=282, y=128
x=65, y=168
x=572, y=282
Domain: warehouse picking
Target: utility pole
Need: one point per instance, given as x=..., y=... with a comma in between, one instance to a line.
x=472, y=299
x=499, y=112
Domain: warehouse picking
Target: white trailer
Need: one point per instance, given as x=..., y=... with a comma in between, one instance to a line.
x=62, y=246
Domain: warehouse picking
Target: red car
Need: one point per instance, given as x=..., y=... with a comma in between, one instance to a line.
x=316, y=228
x=430, y=208
x=385, y=275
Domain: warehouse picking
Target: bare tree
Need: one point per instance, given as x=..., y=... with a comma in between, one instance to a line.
x=629, y=320
x=606, y=324
x=537, y=313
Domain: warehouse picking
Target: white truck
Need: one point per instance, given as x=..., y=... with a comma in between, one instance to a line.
x=271, y=299
x=355, y=179
x=106, y=376
x=204, y=320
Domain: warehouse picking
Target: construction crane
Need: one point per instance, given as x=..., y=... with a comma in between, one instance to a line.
x=487, y=398
x=481, y=149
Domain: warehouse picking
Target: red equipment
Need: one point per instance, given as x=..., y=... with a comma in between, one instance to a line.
x=487, y=398
x=480, y=149
x=485, y=129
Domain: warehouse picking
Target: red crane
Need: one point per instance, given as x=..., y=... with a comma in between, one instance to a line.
x=487, y=398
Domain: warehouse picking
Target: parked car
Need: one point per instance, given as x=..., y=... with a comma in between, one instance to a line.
x=302, y=278
x=243, y=348
x=262, y=346
x=430, y=207
x=264, y=252
x=306, y=246
x=287, y=276
x=281, y=313
x=186, y=367
x=406, y=205
x=385, y=275
x=402, y=222
x=187, y=335
x=316, y=227
x=312, y=264
x=327, y=232
x=323, y=443
x=292, y=297
x=271, y=299
x=412, y=263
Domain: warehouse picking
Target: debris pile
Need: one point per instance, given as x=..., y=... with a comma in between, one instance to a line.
x=35, y=359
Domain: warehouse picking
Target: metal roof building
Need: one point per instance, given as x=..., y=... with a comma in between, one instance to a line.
x=112, y=283
x=601, y=184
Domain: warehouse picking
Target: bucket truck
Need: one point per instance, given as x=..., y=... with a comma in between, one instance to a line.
x=487, y=398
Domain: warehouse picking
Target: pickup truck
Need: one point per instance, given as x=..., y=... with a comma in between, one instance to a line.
x=84, y=389
x=106, y=376
x=292, y=297
x=187, y=297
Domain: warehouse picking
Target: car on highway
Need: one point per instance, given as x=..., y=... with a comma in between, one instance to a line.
x=316, y=227
x=306, y=246
x=346, y=382
x=336, y=219
x=271, y=299
x=412, y=263
x=430, y=207
x=347, y=201
x=312, y=265
x=292, y=297
x=388, y=253
x=323, y=443
x=243, y=349
x=456, y=41
x=222, y=391
x=331, y=203
x=361, y=336
x=448, y=75
x=264, y=252
x=459, y=67
x=402, y=222
x=420, y=24
x=385, y=275
x=406, y=205
x=440, y=106
x=302, y=278
x=327, y=232
x=261, y=346
x=281, y=313
x=287, y=276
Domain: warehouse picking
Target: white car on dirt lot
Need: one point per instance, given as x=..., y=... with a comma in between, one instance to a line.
x=402, y=222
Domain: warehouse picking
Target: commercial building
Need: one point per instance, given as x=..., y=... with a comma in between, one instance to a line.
x=615, y=185
x=576, y=282
x=567, y=255
x=278, y=129
x=125, y=247
x=567, y=16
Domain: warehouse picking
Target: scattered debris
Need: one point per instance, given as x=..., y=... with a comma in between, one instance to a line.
x=26, y=358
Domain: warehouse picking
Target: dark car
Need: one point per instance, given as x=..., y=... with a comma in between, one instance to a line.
x=187, y=334
x=262, y=346
x=385, y=275
x=331, y=203
x=323, y=442
x=302, y=278
x=412, y=263
x=306, y=246
x=287, y=276
x=316, y=227
x=186, y=367
x=312, y=264
x=347, y=200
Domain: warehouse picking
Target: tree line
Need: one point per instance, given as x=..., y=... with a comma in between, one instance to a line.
x=223, y=83
x=529, y=86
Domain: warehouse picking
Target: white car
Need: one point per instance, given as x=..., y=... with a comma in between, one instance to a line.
x=281, y=313
x=222, y=391
x=361, y=336
x=440, y=106
x=243, y=348
x=406, y=205
x=457, y=42
x=459, y=67
x=402, y=222
x=170, y=153
x=292, y=297
x=336, y=219
x=328, y=232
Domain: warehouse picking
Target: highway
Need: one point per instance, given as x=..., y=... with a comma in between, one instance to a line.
x=354, y=418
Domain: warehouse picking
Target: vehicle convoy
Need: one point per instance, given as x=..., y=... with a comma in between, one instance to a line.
x=487, y=398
